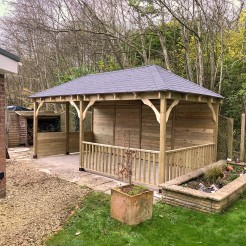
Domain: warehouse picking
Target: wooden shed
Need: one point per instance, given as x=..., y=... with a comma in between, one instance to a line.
x=169, y=122
x=19, y=126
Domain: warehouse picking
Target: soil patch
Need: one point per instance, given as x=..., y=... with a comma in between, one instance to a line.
x=216, y=178
x=37, y=203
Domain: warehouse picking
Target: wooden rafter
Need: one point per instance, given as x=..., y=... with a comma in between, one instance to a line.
x=174, y=103
x=147, y=102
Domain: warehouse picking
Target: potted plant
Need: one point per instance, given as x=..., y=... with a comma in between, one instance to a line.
x=130, y=204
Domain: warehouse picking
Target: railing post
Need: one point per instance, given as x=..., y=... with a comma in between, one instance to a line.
x=81, y=136
x=163, y=169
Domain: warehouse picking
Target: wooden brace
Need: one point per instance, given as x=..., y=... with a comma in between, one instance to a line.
x=39, y=106
x=76, y=107
x=151, y=105
x=174, y=103
x=88, y=106
x=213, y=111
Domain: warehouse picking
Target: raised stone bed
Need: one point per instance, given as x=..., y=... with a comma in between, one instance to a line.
x=175, y=194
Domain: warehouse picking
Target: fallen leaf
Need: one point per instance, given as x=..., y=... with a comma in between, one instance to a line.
x=77, y=233
x=160, y=215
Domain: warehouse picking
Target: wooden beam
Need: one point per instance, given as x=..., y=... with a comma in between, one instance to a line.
x=67, y=127
x=35, y=130
x=130, y=96
x=163, y=172
x=174, y=103
x=88, y=106
x=213, y=111
x=76, y=107
x=81, y=136
x=147, y=102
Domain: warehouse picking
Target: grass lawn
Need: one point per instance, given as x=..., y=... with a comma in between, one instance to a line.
x=92, y=225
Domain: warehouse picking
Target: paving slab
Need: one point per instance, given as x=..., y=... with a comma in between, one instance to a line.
x=66, y=167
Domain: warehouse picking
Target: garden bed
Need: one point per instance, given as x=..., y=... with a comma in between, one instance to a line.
x=180, y=191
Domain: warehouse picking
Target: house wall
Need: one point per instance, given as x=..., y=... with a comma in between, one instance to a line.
x=2, y=137
x=131, y=123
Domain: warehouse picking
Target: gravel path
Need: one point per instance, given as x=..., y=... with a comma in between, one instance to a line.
x=37, y=203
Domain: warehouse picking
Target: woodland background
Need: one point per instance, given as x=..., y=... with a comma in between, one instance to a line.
x=58, y=40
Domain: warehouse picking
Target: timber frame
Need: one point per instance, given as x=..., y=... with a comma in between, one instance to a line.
x=162, y=116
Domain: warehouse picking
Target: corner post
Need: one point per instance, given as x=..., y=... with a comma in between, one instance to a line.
x=216, y=130
x=67, y=127
x=163, y=169
x=35, y=130
x=81, y=136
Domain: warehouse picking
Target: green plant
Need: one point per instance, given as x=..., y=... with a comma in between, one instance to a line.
x=213, y=174
x=168, y=227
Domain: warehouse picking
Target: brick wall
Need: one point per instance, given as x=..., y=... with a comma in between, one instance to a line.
x=2, y=137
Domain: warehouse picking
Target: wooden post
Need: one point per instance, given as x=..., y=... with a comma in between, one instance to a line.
x=163, y=170
x=216, y=110
x=67, y=127
x=81, y=136
x=230, y=123
x=35, y=131
x=242, y=143
x=173, y=130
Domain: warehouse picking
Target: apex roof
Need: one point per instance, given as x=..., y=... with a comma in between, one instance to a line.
x=9, y=55
x=141, y=79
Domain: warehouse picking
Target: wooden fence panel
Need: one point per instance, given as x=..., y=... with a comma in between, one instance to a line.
x=54, y=143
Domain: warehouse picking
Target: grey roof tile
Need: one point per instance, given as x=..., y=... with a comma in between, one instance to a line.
x=140, y=79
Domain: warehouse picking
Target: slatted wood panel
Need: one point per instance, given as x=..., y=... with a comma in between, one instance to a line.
x=189, y=124
x=193, y=125
x=185, y=160
x=127, y=124
x=54, y=143
x=107, y=159
x=151, y=128
x=103, y=123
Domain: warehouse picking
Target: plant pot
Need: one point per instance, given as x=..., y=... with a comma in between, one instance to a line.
x=131, y=209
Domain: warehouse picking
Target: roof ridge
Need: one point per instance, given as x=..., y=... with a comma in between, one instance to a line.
x=191, y=82
x=115, y=71
x=158, y=73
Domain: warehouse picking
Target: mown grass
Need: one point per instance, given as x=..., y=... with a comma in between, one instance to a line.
x=92, y=225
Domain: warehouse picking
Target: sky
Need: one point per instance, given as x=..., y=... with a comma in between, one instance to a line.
x=4, y=7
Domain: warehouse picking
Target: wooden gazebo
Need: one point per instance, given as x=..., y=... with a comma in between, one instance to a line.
x=169, y=122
